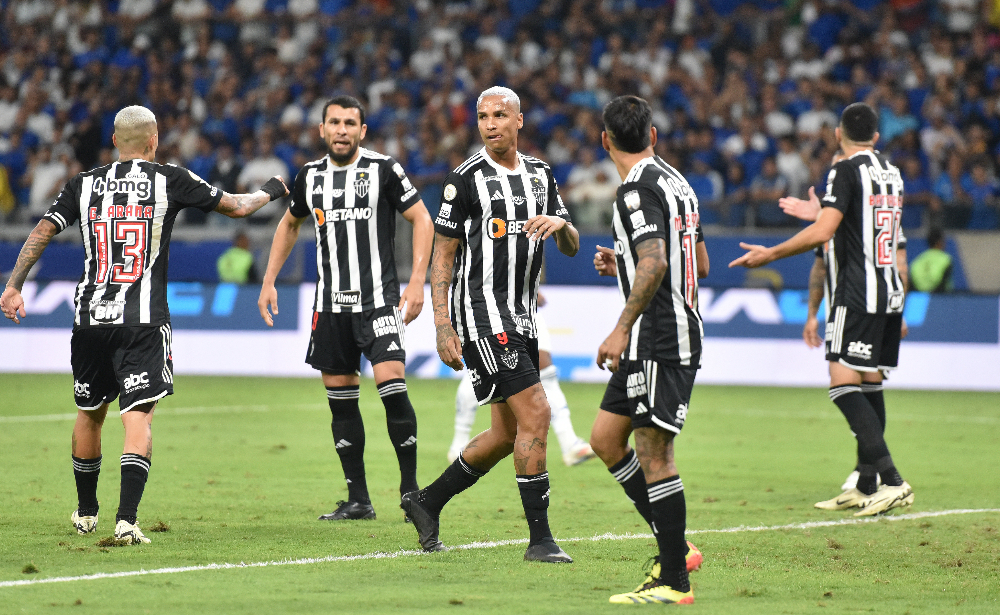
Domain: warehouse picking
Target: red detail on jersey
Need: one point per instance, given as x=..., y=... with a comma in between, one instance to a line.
x=502, y=338
x=315, y=318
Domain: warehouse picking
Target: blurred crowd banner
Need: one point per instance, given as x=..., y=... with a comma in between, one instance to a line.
x=753, y=335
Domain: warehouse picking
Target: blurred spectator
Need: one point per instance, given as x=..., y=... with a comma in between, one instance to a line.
x=931, y=270
x=590, y=196
x=765, y=190
x=236, y=264
x=48, y=170
x=792, y=167
x=918, y=194
x=983, y=191
x=261, y=165
x=950, y=196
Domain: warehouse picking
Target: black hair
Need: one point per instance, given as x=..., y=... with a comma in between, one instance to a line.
x=627, y=120
x=859, y=122
x=347, y=102
x=935, y=236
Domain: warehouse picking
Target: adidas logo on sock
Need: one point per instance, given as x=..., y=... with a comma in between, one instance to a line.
x=409, y=441
x=342, y=443
x=392, y=346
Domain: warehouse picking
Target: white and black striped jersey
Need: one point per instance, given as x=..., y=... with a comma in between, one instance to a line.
x=126, y=212
x=828, y=252
x=656, y=202
x=495, y=282
x=354, y=208
x=868, y=190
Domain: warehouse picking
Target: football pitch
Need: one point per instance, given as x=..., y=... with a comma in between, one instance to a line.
x=242, y=467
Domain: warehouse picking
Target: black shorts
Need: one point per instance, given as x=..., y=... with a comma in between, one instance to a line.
x=501, y=365
x=862, y=341
x=338, y=339
x=134, y=362
x=652, y=394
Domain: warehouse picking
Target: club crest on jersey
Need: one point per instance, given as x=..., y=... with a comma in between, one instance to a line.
x=362, y=183
x=509, y=358
x=538, y=189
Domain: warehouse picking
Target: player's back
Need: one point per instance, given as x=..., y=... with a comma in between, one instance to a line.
x=126, y=212
x=868, y=190
x=656, y=202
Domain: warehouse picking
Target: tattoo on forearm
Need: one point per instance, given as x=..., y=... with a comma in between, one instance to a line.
x=817, y=277
x=242, y=205
x=442, y=266
x=649, y=271
x=31, y=251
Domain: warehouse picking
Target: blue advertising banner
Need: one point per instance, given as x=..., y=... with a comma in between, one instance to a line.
x=193, y=305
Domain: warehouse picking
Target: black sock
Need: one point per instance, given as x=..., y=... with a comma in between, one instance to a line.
x=669, y=519
x=867, y=478
x=349, y=437
x=865, y=424
x=456, y=478
x=873, y=393
x=629, y=475
x=887, y=470
x=401, y=422
x=86, y=472
x=534, y=490
x=135, y=471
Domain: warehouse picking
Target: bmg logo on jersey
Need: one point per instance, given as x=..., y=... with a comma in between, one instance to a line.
x=138, y=184
x=81, y=389
x=860, y=350
x=136, y=381
x=384, y=325
x=635, y=385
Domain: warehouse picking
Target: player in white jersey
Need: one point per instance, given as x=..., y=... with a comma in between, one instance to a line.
x=861, y=212
x=499, y=208
x=121, y=341
x=574, y=449
x=352, y=195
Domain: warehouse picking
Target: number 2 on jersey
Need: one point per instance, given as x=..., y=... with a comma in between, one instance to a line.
x=127, y=262
x=887, y=223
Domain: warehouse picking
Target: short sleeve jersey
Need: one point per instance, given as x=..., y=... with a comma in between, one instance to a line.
x=354, y=209
x=868, y=191
x=495, y=280
x=126, y=212
x=656, y=202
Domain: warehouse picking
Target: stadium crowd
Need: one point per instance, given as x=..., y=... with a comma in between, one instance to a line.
x=745, y=94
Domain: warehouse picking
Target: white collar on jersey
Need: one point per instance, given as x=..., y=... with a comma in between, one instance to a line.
x=336, y=169
x=503, y=169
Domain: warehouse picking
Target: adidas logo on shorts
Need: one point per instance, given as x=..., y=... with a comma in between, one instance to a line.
x=392, y=346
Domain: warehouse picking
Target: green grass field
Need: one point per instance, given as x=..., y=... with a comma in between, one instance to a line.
x=243, y=466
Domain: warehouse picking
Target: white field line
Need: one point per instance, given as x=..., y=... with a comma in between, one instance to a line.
x=488, y=545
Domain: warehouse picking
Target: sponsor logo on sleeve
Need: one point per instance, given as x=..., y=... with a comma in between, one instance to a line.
x=445, y=211
x=632, y=200
x=450, y=192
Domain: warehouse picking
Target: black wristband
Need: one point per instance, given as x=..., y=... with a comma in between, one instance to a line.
x=274, y=187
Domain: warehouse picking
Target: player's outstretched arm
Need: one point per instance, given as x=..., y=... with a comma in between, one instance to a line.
x=284, y=240
x=604, y=262
x=811, y=236
x=449, y=347
x=411, y=302
x=807, y=209
x=650, y=267
x=817, y=277
x=11, y=302
x=243, y=205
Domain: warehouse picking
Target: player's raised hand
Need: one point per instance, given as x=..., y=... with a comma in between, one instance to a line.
x=807, y=210
x=411, y=302
x=449, y=347
x=756, y=256
x=268, y=299
x=604, y=262
x=810, y=333
x=541, y=227
x=12, y=304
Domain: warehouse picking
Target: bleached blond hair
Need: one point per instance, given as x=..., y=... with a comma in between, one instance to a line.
x=133, y=126
x=506, y=93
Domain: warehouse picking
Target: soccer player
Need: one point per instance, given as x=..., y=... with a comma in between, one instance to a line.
x=861, y=212
x=352, y=195
x=574, y=449
x=822, y=279
x=654, y=350
x=499, y=206
x=121, y=344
